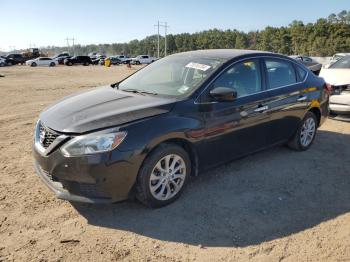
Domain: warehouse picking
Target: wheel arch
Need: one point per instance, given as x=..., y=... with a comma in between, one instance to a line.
x=317, y=113
x=186, y=145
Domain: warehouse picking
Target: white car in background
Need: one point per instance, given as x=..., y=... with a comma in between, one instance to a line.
x=42, y=61
x=338, y=76
x=143, y=59
x=337, y=56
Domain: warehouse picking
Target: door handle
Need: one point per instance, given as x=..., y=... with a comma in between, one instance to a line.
x=302, y=98
x=261, y=109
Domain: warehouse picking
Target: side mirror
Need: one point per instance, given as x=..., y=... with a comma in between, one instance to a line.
x=223, y=94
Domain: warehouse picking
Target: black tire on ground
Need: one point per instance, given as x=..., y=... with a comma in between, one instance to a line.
x=9, y=63
x=295, y=142
x=142, y=188
x=52, y=64
x=69, y=64
x=86, y=64
x=2, y=64
x=138, y=62
x=33, y=64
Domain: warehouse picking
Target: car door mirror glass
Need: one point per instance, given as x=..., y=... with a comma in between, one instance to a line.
x=223, y=94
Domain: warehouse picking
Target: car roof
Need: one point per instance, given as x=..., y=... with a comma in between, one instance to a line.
x=225, y=54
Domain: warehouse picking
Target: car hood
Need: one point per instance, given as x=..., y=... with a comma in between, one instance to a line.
x=101, y=108
x=336, y=77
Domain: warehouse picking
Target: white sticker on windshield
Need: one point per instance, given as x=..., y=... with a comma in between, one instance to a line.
x=198, y=66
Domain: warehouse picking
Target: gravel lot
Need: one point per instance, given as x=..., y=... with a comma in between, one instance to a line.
x=277, y=205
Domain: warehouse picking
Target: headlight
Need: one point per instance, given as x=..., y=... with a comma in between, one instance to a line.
x=92, y=144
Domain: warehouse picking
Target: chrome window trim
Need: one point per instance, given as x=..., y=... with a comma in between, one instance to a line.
x=262, y=91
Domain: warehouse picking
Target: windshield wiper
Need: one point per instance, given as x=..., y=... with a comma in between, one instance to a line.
x=115, y=85
x=137, y=91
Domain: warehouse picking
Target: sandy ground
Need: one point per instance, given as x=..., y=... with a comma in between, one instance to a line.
x=277, y=205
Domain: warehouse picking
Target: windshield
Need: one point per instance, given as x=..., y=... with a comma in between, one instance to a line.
x=342, y=63
x=172, y=75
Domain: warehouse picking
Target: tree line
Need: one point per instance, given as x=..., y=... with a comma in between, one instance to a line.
x=323, y=38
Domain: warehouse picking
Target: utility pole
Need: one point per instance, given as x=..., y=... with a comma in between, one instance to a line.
x=165, y=31
x=71, y=39
x=165, y=25
x=157, y=25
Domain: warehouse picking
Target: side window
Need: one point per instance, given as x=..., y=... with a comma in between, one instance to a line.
x=280, y=73
x=244, y=78
x=301, y=73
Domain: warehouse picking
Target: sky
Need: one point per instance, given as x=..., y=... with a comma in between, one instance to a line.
x=37, y=23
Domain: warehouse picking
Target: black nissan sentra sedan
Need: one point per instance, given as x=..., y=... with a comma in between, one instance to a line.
x=145, y=135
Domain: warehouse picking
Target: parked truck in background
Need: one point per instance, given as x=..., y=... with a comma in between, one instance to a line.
x=143, y=59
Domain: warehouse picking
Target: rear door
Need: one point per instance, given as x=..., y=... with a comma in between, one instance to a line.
x=287, y=103
x=235, y=128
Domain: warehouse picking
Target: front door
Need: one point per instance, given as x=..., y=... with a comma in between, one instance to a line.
x=233, y=129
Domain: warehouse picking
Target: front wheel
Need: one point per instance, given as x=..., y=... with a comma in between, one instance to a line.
x=163, y=175
x=52, y=64
x=305, y=134
x=33, y=64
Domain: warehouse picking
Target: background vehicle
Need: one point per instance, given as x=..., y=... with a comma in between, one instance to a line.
x=32, y=53
x=78, y=60
x=114, y=60
x=337, y=56
x=2, y=61
x=338, y=75
x=124, y=59
x=314, y=66
x=14, y=59
x=302, y=58
x=60, y=58
x=96, y=60
x=143, y=59
x=174, y=118
x=42, y=61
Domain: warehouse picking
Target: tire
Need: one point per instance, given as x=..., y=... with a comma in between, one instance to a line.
x=167, y=187
x=52, y=64
x=86, y=64
x=10, y=63
x=69, y=64
x=298, y=142
x=138, y=62
x=33, y=64
x=2, y=64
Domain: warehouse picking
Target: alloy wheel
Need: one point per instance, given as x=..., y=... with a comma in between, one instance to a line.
x=167, y=177
x=307, y=132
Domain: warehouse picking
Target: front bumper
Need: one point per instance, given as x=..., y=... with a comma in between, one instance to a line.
x=99, y=178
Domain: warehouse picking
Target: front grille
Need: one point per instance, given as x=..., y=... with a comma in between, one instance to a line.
x=47, y=136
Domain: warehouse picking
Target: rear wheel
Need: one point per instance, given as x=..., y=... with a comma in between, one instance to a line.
x=163, y=175
x=2, y=64
x=86, y=64
x=138, y=62
x=52, y=64
x=305, y=134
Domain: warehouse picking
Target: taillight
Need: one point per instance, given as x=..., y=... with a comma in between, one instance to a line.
x=328, y=88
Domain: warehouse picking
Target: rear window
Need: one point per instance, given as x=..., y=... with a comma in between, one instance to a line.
x=280, y=73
